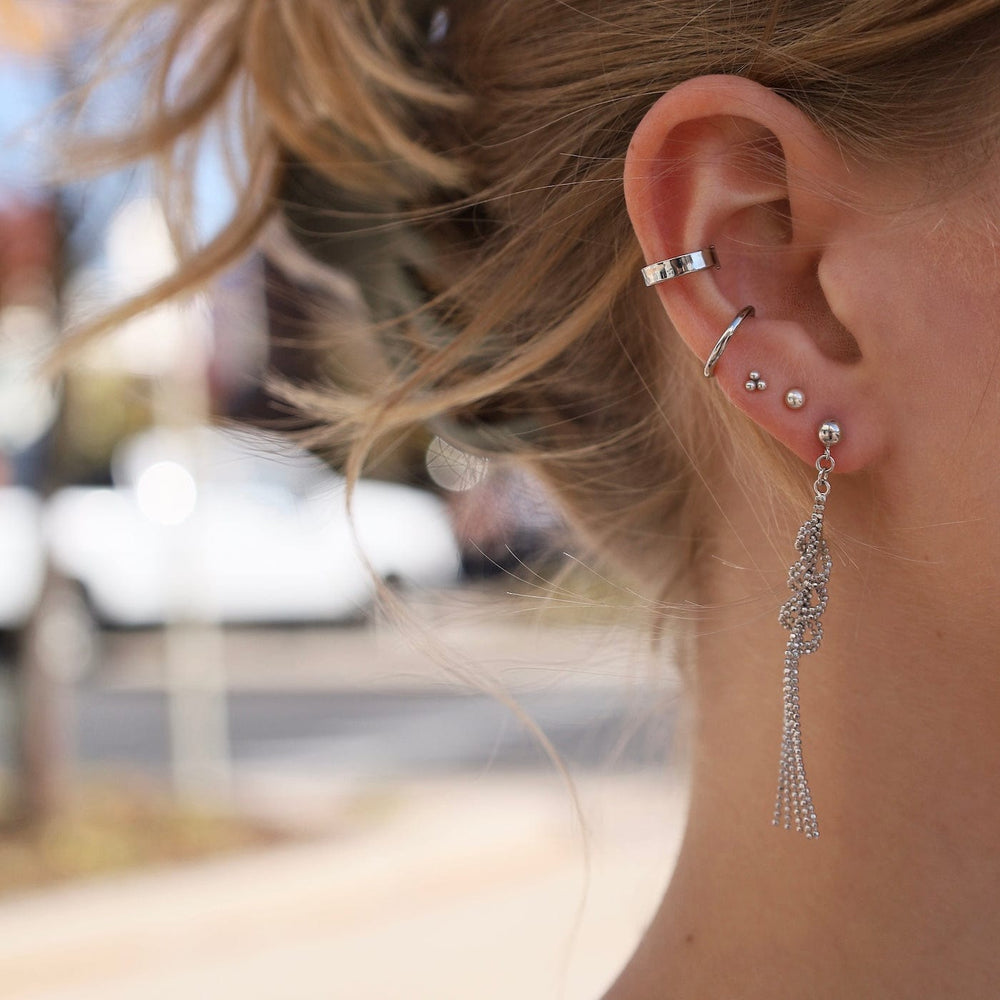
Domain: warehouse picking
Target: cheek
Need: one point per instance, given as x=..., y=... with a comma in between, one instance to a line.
x=944, y=361
x=923, y=296
x=950, y=298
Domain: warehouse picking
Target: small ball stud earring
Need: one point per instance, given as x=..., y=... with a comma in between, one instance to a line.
x=829, y=434
x=755, y=383
x=795, y=399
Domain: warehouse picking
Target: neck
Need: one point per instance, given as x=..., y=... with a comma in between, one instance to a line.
x=900, y=713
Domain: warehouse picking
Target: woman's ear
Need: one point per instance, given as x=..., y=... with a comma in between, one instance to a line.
x=722, y=161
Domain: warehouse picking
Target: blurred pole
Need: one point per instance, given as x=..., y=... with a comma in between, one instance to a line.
x=199, y=722
x=172, y=347
x=53, y=651
x=194, y=651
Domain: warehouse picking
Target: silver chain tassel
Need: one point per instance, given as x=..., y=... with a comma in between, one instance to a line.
x=802, y=615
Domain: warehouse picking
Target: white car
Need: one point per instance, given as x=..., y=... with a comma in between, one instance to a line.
x=22, y=560
x=241, y=527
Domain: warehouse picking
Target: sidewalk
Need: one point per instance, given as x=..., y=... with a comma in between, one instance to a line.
x=452, y=889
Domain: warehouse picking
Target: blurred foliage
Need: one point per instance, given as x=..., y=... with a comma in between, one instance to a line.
x=100, y=408
x=128, y=825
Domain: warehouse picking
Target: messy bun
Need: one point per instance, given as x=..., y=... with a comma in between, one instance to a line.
x=463, y=165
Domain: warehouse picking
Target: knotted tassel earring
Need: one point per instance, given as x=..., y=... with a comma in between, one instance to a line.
x=802, y=615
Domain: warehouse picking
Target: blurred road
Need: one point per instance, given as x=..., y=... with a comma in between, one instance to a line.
x=383, y=734
x=363, y=702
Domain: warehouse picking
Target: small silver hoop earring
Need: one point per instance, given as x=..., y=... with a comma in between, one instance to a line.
x=674, y=267
x=723, y=342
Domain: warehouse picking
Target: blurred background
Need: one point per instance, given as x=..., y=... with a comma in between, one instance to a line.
x=223, y=772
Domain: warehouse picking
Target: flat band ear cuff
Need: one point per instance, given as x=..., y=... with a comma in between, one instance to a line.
x=674, y=267
x=723, y=342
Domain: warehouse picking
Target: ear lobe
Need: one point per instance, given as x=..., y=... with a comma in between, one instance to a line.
x=724, y=161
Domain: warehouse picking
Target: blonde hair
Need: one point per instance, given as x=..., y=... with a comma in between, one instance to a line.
x=468, y=175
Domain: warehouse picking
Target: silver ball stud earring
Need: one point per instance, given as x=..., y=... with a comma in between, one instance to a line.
x=795, y=399
x=755, y=383
x=829, y=435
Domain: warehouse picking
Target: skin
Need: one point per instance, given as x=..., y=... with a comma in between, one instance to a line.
x=880, y=302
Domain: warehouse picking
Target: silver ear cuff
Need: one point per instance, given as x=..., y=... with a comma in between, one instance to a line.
x=674, y=267
x=723, y=341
